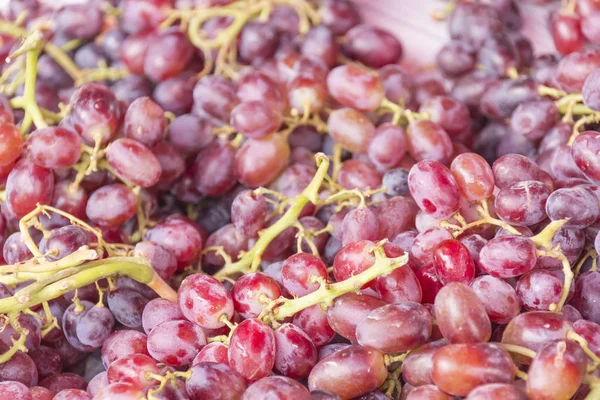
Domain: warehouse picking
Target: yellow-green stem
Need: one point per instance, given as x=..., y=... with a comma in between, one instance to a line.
x=282, y=308
x=250, y=261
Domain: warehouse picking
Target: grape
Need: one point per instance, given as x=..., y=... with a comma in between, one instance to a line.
x=15, y=250
x=456, y=59
x=130, y=88
x=399, y=285
x=441, y=202
x=351, y=129
x=395, y=215
x=430, y=282
x=278, y=387
x=304, y=90
x=214, y=352
x=94, y=326
x=68, y=354
x=450, y=114
x=255, y=119
x=232, y=242
x=313, y=321
x=501, y=99
x=339, y=16
x=132, y=369
x=47, y=361
x=214, y=168
x=590, y=93
x=353, y=259
x=298, y=271
x=28, y=185
x=257, y=41
x=215, y=96
x=323, y=395
x=73, y=394
x=176, y=94
x=79, y=21
x=15, y=391
x=513, y=168
x=176, y=343
x=473, y=176
x=320, y=43
x=460, y=315
x=584, y=151
x=120, y=391
x=350, y=372
x=534, y=329
x=557, y=370
x=356, y=174
x=574, y=68
x=428, y=141
x=248, y=213
x=395, y=328
x=460, y=368
x=111, y=205
x=203, y=300
x=275, y=153
x=65, y=380
x=430, y=392
x=397, y=84
x=348, y=310
x=296, y=354
x=123, y=343
x=161, y=259
x=144, y=122
x=211, y=380
x=167, y=55
x=180, y=237
x=533, y=119
x=127, y=306
x=251, y=291
x=522, y=203
x=498, y=55
x=585, y=298
x=538, y=289
x=417, y=366
x=63, y=241
x=355, y=87
x=255, y=86
x=495, y=391
x=578, y=204
x=252, y=349
x=20, y=368
x=474, y=23
x=94, y=113
x=360, y=224
x=11, y=143
x=508, y=256
x=499, y=299
x=97, y=383
x=133, y=162
x=566, y=32
x=590, y=331
x=425, y=243
x=453, y=262
x=387, y=148
x=172, y=164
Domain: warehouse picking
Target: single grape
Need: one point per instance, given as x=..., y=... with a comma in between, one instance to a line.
x=214, y=168
x=522, y=203
x=427, y=140
x=63, y=241
x=298, y=272
x=275, y=154
x=348, y=310
x=214, y=352
x=395, y=328
x=252, y=349
x=215, y=96
x=417, y=366
x=499, y=298
x=111, y=205
x=11, y=143
x=144, y=122
x=355, y=87
x=176, y=343
x=351, y=129
x=204, y=300
x=167, y=55
x=27, y=186
x=350, y=372
x=566, y=32
x=251, y=291
x=255, y=119
x=557, y=370
x=441, y=202
x=360, y=224
x=574, y=68
x=497, y=390
x=579, y=205
x=508, y=256
x=296, y=354
x=127, y=306
x=62, y=381
x=211, y=380
x=20, y=368
x=123, y=343
x=372, y=46
x=180, y=237
x=276, y=387
x=313, y=321
x=357, y=174
x=460, y=368
x=133, y=369
x=15, y=391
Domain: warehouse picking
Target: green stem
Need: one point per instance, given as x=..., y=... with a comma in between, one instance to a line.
x=282, y=308
x=250, y=261
x=133, y=267
x=31, y=106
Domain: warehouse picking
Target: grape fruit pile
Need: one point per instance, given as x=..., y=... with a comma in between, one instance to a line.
x=253, y=199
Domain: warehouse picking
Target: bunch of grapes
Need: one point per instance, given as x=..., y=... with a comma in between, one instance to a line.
x=253, y=199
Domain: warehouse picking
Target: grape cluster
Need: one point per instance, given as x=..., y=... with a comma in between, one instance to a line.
x=253, y=199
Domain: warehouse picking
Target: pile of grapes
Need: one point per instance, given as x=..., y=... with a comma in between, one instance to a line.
x=252, y=199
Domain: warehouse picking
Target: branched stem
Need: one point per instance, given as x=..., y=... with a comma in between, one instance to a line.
x=282, y=308
x=250, y=261
x=486, y=218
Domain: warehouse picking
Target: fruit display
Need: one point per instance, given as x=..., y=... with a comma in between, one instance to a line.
x=258, y=199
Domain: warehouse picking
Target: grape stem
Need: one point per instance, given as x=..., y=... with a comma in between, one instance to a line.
x=282, y=308
x=76, y=277
x=544, y=238
x=486, y=218
x=516, y=349
x=250, y=261
x=583, y=343
x=556, y=253
x=592, y=118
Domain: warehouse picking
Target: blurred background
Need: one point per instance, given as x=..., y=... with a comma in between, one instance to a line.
x=420, y=34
